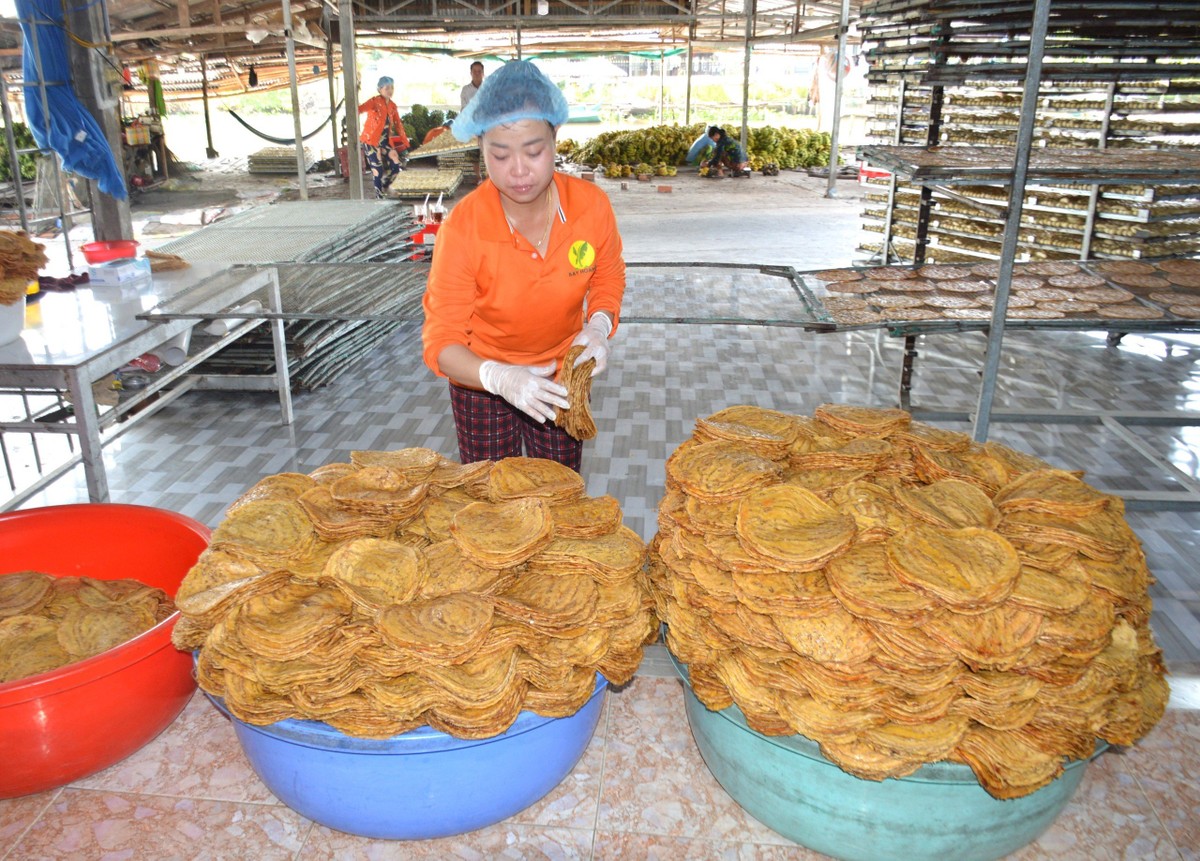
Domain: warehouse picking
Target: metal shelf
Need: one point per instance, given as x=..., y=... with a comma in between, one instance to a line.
x=989, y=165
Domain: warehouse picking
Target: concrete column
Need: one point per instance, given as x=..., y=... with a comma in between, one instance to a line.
x=97, y=84
x=354, y=156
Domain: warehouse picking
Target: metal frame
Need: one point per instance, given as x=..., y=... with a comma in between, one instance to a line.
x=1012, y=227
x=993, y=165
x=94, y=429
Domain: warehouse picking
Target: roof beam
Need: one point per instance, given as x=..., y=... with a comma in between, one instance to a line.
x=178, y=33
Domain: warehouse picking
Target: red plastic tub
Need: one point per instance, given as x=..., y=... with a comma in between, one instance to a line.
x=102, y=252
x=71, y=722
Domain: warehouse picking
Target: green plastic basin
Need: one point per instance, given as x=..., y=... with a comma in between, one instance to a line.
x=940, y=812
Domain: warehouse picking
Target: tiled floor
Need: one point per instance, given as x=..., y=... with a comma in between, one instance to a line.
x=641, y=789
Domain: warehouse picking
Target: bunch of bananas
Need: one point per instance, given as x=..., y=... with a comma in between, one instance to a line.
x=666, y=144
x=669, y=145
x=789, y=148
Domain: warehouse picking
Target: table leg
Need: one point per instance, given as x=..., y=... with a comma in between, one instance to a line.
x=90, y=451
x=283, y=379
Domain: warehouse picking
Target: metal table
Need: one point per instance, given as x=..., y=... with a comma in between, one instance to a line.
x=73, y=340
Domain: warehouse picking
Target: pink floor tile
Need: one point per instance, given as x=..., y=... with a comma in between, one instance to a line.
x=498, y=842
x=17, y=814
x=573, y=803
x=613, y=846
x=655, y=781
x=85, y=824
x=1166, y=764
x=1108, y=818
x=198, y=756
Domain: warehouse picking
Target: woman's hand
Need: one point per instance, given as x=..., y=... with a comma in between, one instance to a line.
x=529, y=388
x=594, y=339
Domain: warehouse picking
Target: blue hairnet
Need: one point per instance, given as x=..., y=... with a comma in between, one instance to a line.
x=518, y=91
x=383, y=82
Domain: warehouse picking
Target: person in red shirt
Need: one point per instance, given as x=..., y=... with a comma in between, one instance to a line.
x=436, y=132
x=383, y=138
x=525, y=266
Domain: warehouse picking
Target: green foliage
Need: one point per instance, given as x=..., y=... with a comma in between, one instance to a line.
x=27, y=161
x=420, y=120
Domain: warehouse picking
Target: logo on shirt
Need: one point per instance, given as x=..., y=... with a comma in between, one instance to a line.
x=582, y=254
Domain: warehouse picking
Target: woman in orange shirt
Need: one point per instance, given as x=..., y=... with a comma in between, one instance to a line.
x=526, y=266
x=383, y=138
x=436, y=132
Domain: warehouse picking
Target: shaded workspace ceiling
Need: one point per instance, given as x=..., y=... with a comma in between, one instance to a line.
x=233, y=35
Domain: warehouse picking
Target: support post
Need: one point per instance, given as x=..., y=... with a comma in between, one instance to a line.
x=111, y=219
x=337, y=137
x=350, y=82
x=662, y=87
x=751, y=11
x=839, y=77
x=211, y=151
x=290, y=43
x=687, y=108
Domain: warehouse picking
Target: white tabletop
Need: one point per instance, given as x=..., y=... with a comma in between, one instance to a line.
x=71, y=328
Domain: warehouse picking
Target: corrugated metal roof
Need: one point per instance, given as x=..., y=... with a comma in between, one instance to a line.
x=233, y=35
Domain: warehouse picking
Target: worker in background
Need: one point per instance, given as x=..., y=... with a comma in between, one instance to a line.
x=525, y=266
x=727, y=153
x=469, y=90
x=436, y=132
x=468, y=93
x=383, y=139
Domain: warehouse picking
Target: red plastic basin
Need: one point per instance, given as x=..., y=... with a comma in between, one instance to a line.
x=68, y=723
x=102, y=252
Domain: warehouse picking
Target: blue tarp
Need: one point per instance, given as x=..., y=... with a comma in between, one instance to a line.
x=73, y=132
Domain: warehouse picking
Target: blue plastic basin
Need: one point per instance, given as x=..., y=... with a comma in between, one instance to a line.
x=420, y=784
x=940, y=812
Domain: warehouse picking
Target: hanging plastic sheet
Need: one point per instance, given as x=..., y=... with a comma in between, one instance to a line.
x=70, y=130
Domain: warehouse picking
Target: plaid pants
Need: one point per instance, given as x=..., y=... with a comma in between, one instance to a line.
x=490, y=428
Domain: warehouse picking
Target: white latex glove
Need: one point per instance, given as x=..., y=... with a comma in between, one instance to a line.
x=594, y=339
x=529, y=388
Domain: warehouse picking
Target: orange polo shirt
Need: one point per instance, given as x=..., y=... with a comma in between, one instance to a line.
x=490, y=290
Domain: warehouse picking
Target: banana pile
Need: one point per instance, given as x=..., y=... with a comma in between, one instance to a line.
x=667, y=146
